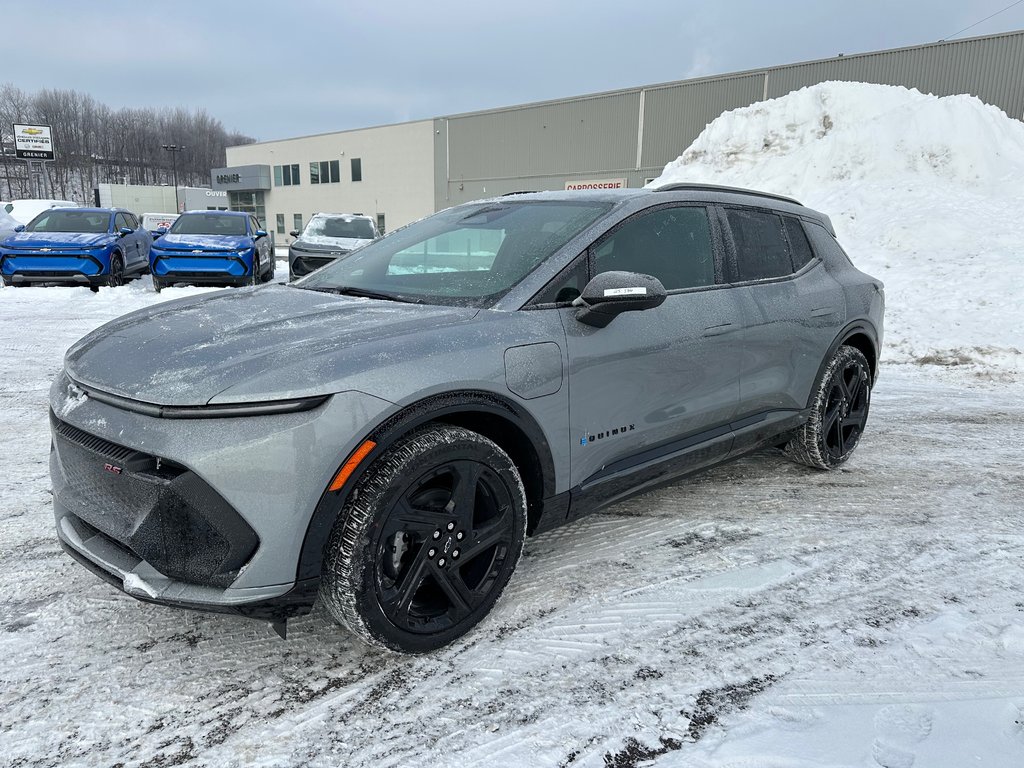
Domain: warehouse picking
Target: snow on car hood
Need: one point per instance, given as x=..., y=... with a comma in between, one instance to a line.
x=273, y=343
x=206, y=242
x=61, y=239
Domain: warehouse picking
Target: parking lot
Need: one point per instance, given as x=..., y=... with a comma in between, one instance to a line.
x=759, y=610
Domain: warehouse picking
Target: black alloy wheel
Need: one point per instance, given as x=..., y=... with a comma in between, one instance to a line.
x=846, y=409
x=839, y=412
x=428, y=542
x=115, y=276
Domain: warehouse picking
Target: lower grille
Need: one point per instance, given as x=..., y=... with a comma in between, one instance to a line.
x=162, y=512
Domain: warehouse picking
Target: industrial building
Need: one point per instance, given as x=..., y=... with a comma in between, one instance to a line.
x=399, y=173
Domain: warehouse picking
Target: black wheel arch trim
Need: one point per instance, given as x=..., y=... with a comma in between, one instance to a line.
x=467, y=408
x=860, y=327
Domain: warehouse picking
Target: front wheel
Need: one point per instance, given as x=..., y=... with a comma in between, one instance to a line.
x=838, y=414
x=115, y=275
x=255, y=277
x=427, y=541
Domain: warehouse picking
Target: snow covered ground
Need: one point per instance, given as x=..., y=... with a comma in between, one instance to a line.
x=759, y=615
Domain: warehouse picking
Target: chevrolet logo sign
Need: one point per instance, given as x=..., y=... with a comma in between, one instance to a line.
x=31, y=131
x=45, y=250
x=196, y=251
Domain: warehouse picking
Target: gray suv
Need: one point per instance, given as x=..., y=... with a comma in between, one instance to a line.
x=328, y=236
x=382, y=434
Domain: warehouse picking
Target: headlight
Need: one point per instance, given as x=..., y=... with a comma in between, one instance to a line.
x=244, y=252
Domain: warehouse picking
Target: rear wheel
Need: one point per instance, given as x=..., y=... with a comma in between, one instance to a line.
x=427, y=542
x=838, y=414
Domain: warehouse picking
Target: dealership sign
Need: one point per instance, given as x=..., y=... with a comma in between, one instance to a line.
x=597, y=184
x=33, y=142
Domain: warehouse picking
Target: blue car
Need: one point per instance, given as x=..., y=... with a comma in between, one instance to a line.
x=77, y=246
x=212, y=248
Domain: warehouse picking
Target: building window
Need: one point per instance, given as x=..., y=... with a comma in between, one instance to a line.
x=380, y=223
x=286, y=175
x=280, y=223
x=297, y=222
x=357, y=169
x=325, y=172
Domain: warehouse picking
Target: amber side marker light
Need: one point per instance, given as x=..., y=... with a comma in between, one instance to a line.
x=349, y=466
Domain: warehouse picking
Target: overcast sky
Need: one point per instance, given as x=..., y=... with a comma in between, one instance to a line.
x=296, y=67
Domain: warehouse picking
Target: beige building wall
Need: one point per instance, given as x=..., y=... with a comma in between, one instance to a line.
x=397, y=175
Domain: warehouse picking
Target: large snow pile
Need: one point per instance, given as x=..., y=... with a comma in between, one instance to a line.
x=926, y=193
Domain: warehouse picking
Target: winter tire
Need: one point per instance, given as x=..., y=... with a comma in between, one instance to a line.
x=838, y=413
x=115, y=275
x=254, y=279
x=426, y=542
x=158, y=284
x=267, y=276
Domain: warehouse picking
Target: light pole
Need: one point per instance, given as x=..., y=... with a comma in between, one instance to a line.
x=174, y=149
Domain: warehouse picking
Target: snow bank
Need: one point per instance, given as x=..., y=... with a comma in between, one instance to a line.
x=925, y=193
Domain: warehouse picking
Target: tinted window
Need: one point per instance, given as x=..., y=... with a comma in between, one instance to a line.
x=121, y=221
x=800, y=249
x=70, y=220
x=672, y=244
x=566, y=287
x=208, y=224
x=761, y=248
x=357, y=169
x=339, y=226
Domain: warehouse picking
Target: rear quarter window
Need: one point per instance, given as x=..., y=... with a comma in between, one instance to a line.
x=800, y=248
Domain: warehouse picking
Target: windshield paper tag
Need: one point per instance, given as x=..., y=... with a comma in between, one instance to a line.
x=625, y=292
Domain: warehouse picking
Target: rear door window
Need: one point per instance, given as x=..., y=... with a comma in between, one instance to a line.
x=762, y=250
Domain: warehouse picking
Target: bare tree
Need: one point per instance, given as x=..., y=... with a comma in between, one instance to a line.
x=97, y=144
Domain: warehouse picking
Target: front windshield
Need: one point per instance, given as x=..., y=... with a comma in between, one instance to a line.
x=338, y=226
x=208, y=224
x=467, y=256
x=70, y=220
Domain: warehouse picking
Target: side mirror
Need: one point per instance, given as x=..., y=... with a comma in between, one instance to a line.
x=294, y=233
x=261, y=233
x=160, y=231
x=125, y=231
x=611, y=293
x=20, y=228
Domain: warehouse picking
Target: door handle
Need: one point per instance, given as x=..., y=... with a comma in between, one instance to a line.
x=716, y=330
x=823, y=311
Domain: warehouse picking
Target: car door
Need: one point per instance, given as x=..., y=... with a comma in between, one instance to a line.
x=143, y=240
x=129, y=250
x=793, y=308
x=660, y=385
x=262, y=244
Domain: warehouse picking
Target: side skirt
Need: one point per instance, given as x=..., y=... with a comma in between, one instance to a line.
x=655, y=467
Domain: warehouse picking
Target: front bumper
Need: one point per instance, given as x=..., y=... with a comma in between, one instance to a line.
x=223, y=267
x=81, y=268
x=301, y=263
x=218, y=522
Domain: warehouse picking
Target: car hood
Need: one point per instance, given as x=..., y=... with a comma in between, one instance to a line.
x=329, y=244
x=204, y=242
x=269, y=343
x=57, y=239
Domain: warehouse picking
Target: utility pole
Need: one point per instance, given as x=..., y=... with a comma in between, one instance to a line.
x=174, y=149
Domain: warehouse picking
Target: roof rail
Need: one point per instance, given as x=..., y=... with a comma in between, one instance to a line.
x=520, y=192
x=731, y=190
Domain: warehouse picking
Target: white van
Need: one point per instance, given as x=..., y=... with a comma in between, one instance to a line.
x=23, y=211
x=155, y=221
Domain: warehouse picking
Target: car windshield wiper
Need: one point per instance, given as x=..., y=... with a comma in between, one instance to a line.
x=347, y=290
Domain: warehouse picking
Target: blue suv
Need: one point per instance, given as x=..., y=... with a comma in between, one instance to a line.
x=212, y=248
x=77, y=246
